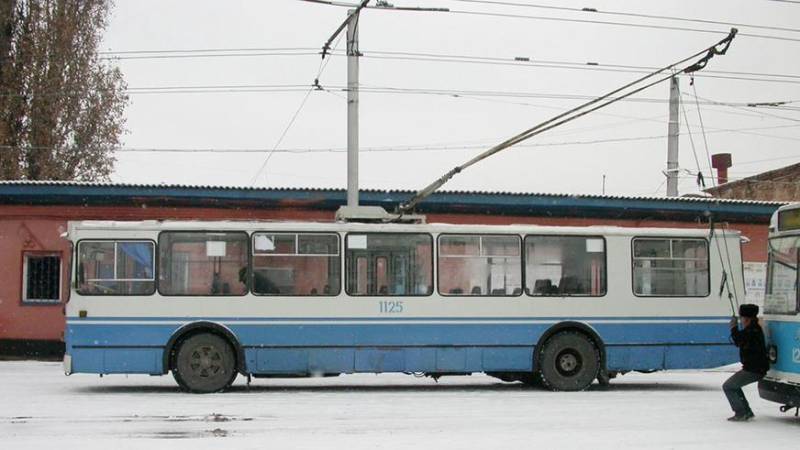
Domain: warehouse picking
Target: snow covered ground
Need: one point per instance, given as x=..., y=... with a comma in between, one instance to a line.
x=41, y=408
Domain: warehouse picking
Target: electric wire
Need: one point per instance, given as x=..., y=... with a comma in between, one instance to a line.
x=322, y=65
x=365, y=88
x=561, y=19
x=719, y=48
x=629, y=14
x=206, y=50
x=612, y=23
x=703, y=130
x=745, y=107
x=635, y=118
x=451, y=58
x=713, y=235
x=663, y=182
x=421, y=147
x=207, y=55
x=523, y=62
x=280, y=139
x=691, y=142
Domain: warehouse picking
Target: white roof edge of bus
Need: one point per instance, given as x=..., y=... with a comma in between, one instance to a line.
x=789, y=206
x=156, y=225
x=773, y=220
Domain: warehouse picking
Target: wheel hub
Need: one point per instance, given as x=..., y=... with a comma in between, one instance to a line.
x=205, y=361
x=568, y=362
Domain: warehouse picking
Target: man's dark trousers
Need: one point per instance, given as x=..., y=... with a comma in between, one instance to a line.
x=733, y=390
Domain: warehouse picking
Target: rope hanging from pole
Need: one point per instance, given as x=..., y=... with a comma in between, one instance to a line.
x=724, y=286
x=719, y=48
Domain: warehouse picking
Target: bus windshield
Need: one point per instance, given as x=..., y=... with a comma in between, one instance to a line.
x=781, y=294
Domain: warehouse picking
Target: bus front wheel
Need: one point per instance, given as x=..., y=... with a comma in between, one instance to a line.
x=204, y=363
x=569, y=361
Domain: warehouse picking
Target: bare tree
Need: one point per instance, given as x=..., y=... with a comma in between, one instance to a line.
x=61, y=106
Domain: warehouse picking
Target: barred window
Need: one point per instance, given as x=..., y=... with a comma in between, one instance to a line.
x=41, y=278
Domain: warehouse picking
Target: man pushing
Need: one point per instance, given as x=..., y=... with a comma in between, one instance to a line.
x=753, y=354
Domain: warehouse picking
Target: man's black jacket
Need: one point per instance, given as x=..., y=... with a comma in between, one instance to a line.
x=752, y=349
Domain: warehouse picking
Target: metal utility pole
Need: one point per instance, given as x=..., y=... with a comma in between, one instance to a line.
x=353, y=211
x=352, y=108
x=672, y=140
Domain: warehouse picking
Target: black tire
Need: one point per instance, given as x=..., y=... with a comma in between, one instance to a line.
x=568, y=361
x=204, y=363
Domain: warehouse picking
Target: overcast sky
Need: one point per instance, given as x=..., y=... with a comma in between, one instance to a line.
x=561, y=161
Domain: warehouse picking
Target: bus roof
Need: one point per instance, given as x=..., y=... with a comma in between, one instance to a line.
x=284, y=226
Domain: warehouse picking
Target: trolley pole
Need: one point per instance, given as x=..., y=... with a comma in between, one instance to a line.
x=352, y=108
x=672, y=140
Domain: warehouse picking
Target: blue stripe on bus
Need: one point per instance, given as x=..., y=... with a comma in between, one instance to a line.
x=77, y=321
x=302, y=348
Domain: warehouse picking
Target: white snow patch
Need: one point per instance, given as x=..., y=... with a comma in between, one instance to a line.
x=41, y=408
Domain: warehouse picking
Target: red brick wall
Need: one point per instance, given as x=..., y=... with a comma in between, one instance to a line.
x=30, y=321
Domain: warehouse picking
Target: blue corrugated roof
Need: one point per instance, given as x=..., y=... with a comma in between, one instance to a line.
x=473, y=202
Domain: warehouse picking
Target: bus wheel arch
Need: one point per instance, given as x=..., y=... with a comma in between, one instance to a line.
x=194, y=328
x=577, y=333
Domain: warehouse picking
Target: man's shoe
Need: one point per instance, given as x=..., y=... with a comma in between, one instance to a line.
x=742, y=417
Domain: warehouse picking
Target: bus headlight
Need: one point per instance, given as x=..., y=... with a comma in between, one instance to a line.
x=772, y=354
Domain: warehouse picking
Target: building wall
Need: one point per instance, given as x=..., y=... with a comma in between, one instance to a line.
x=782, y=185
x=781, y=191
x=17, y=319
x=39, y=228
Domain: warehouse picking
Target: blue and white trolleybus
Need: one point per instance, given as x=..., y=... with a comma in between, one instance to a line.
x=781, y=308
x=561, y=306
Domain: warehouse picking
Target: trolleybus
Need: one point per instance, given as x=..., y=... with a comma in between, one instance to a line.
x=559, y=306
x=781, y=308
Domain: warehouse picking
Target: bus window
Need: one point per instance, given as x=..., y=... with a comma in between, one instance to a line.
x=480, y=265
x=670, y=267
x=389, y=264
x=782, y=276
x=116, y=267
x=296, y=264
x=565, y=265
x=202, y=263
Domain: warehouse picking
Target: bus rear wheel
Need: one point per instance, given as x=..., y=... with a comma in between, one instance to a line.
x=569, y=361
x=204, y=363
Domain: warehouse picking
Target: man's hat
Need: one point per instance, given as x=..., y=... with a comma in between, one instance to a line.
x=748, y=310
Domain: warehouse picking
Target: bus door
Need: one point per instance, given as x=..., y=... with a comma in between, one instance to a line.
x=382, y=272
